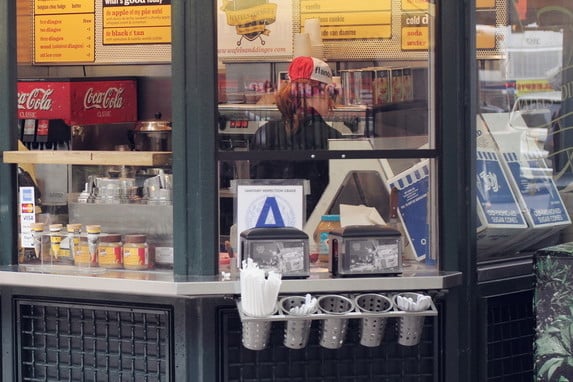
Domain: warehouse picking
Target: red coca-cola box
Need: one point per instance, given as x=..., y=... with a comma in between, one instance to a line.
x=79, y=101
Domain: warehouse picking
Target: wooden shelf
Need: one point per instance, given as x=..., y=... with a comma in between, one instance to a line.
x=128, y=158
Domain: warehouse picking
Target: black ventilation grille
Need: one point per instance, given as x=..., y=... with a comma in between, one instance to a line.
x=388, y=362
x=510, y=337
x=74, y=342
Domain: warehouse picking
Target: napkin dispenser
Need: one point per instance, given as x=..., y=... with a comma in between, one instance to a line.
x=365, y=250
x=281, y=249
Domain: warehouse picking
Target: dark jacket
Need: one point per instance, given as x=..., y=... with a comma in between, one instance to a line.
x=312, y=135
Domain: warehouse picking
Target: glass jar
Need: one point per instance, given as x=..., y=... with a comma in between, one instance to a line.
x=55, y=240
x=82, y=255
x=136, y=252
x=69, y=243
x=327, y=224
x=109, y=253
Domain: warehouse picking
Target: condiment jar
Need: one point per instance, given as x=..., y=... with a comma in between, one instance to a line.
x=37, y=230
x=93, y=233
x=69, y=243
x=327, y=223
x=136, y=252
x=82, y=255
x=109, y=253
x=55, y=240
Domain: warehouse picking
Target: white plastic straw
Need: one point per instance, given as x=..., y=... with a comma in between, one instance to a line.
x=258, y=294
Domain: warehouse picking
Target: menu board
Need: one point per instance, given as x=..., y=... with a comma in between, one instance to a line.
x=129, y=22
x=415, y=25
x=64, y=31
x=101, y=31
x=485, y=4
x=344, y=20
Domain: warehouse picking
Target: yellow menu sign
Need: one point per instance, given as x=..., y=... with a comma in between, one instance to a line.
x=344, y=20
x=415, y=5
x=50, y=7
x=415, y=31
x=485, y=4
x=64, y=31
x=133, y=22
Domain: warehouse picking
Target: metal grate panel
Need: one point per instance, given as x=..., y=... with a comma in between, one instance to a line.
x=510, y=337
x=74, y=342
x=388, y=362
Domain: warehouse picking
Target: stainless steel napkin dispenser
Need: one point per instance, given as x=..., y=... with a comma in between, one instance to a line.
x=282, y=249
x=366, y=250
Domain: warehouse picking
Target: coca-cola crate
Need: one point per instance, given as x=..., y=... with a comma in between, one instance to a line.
x=79, y=101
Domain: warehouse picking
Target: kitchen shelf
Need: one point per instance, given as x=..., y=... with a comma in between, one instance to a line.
x=128, y=158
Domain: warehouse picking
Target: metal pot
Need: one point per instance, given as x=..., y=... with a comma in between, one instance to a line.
x=152, y=135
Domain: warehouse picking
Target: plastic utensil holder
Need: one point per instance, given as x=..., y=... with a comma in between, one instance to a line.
x=297, y=330
x=409, y=327
x=372, y=328
x=333, y=330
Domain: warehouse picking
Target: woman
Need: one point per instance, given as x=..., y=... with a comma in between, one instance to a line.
x=302, y=101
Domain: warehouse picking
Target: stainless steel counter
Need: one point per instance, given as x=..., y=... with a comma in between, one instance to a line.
x=164, y=283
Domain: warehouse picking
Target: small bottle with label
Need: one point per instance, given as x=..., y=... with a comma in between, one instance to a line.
x=327, y=223
x=37, y=230
x=93, y=233
x=136, y=252
x=70, y=243
x=56, y=237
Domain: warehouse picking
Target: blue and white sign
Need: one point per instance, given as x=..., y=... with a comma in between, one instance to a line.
x=413, y=207
x=494, y=193
x=537, y=190
x=269, y=205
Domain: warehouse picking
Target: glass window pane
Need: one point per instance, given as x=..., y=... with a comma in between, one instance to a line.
x=523, y=126
x=339, y=96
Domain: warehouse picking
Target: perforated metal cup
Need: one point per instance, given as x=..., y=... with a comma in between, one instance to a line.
x=333, y=330
x=297, y=330
x=409, y=327
x=256, y=334
x=372, y=328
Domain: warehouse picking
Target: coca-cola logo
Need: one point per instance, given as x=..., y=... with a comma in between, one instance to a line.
x=111, y=98
x=36, y=99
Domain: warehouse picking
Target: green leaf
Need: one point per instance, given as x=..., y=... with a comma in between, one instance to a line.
x=549, y=367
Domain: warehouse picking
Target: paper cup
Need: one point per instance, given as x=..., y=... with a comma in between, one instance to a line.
x=301, y=45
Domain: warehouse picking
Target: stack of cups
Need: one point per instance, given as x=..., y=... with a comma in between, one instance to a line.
x=312, y=28
x=301, y=45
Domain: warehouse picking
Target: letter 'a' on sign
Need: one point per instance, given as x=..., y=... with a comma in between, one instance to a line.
x=270, y=216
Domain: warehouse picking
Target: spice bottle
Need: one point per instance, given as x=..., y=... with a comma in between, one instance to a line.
x=109, y=252
x=82, y=256
x=37, y=233
x=93, y=232
x=136, y=252
x=327, y=223
x=56, y=237
x=70, y=240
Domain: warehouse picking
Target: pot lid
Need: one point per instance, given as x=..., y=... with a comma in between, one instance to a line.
x=153, y=125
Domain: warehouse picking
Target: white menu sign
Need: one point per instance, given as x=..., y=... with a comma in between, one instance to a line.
x=254, y=28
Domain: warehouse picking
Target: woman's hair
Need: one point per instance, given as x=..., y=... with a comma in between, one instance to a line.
x=291, y=100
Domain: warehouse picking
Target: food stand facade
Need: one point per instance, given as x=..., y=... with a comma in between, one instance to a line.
x=188, y=317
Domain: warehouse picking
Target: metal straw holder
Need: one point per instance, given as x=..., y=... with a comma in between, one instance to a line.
x=297, y=329
x=333, y=330
x=372, y=327
x=257, y=332
x=411, y=324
